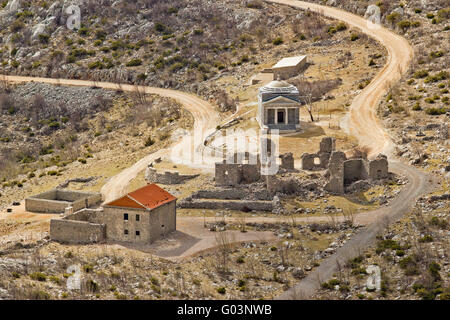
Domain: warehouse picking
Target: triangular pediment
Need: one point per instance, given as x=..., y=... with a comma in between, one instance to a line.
x=281, y=99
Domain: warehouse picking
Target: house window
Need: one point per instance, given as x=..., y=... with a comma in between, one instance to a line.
x=125, y=216
x=138, y=233
x=138, y=217
x=125, y=231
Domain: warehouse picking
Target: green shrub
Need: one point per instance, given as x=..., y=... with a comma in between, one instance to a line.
x=149, y=142
x=88, y=268
x=38, y=276
x=221, y=290
x=354, y=37
x=420, y=74
x=277, y=41
x=426, y=238
x=404, y=25
x=44, y=38
x=435, y=111
x=134, y=63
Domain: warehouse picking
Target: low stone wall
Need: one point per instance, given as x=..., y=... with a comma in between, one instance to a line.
x=232, y=194
x=56, y=201
x=78, y=232
x=152, y=176
x=244, y=205
x=45, y=206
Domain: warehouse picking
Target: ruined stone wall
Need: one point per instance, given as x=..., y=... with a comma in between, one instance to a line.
x=243, y=205
x=336, y=173
x=327, y=147
x=152, y=176
x=286, y=186
x=250, y=173
x=378, y=168
x=287, y=161
x=232, y=194
x=77, y=232
x=354, y=170
x=227, y=174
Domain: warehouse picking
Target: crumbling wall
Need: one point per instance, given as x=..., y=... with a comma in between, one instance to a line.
x=287, y=161
x=232, y=174
x=336, y=173
x=232, y=194
x=308, y=161
x=77, y=232
x=354, y=170
x=152, y=176
x=242, y=205
x=250, y=173
x=378, y=168
x=277, y=185
x=227, y=174
x=327, y=146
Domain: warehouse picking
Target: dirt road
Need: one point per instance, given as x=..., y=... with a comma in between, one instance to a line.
x=362, y=120
x=366, y=127
x=205, y=121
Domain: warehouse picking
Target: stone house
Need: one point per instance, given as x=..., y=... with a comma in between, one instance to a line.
x=140, y=217
x=144, y=215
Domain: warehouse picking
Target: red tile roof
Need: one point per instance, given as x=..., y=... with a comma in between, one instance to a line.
x=149, y=197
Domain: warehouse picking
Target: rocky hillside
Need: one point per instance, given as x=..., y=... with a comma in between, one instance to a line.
x=174, y=44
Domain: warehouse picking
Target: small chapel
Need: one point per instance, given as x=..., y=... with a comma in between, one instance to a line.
x=279, y=107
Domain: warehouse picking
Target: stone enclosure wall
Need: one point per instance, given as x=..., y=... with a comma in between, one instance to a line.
x=77, y=232
x=57, y=200
x=241, y=205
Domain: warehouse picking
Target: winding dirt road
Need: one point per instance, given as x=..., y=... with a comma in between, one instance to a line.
x=366, y=127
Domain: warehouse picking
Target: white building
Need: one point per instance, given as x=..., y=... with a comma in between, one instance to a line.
x=279, y=106
x=288, y=67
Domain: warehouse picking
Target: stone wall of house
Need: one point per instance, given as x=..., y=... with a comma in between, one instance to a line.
x=77, y=232
x=285, y=73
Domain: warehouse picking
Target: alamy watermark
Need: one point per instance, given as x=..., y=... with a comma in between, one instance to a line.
x=74, y=19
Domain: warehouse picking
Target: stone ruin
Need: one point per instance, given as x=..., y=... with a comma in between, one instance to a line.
x=168, y=177
x=343, y=172
x=327, y=146
x=245, y=168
